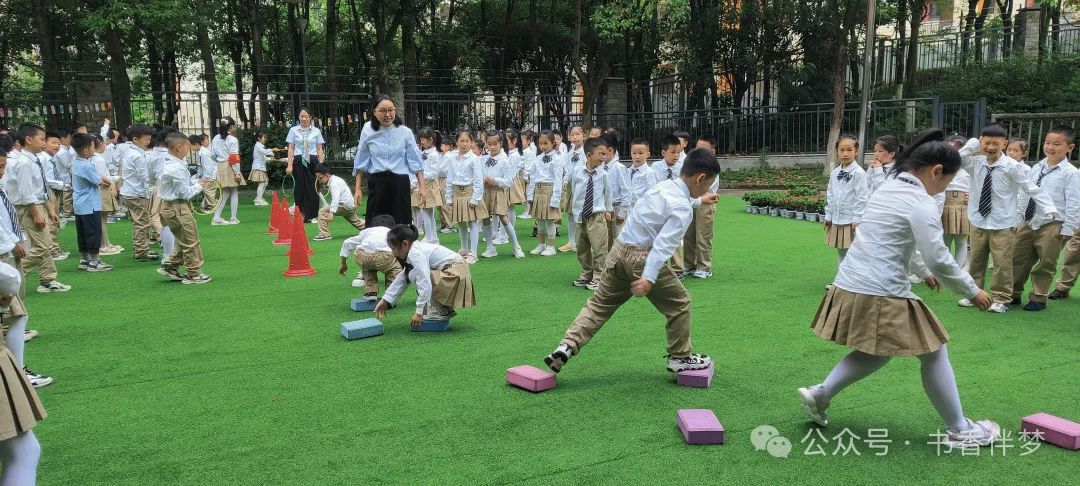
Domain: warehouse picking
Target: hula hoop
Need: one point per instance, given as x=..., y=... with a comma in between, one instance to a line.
x=201, y=203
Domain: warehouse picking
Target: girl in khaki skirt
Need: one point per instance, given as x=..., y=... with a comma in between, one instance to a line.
x=442, y=277
x=845, y=197
x=954, y=217
x=109, y=205
x=544, y=193
x=871, y=307
x=260, y=154
x=498, y=177
x=429, y=152
x=20, y=408
x=464, y=194
x=516, y=154
x=226, y=150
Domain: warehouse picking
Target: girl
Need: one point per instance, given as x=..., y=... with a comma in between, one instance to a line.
x=885, y=150
x=545, y=193
x=464, y=194
x=429, y=140
x=108, y=197
x=205, y=169
x=445, y=146
x=528, y=154
x=259, y=155
x=1017, y=149
x=845, y=197
x=573, y=158
x=498, y=177
x=226, y=151
x=516, y=155
x=443, y=281
x=478, y=143
x=954, y=216
x=872, y=309
x=19, y=449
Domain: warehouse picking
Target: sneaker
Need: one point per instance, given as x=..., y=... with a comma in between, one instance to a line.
x=371, y=296
x=196, y=279
x=61, y=256
x=109, y=251
x=437, y=313
x=117, y=248
x=702, y=274
x=98, y=266
x=1059, y=295
x=463, y=252
x=218, y=222
x=524, y=215
x=518, y=253
x=234, y=221
x=262, y=202
x=567, y=248
x=502, y=240
x=83, y=264
x=446, y=230
x=470, y=258
x=36, y=380
x=581, y=282
x=53, y=286
x=981, y=433
x=965, y=303
x=1016, y=301
x=148, y=257
x=693, y=362
x=359, y=280
x=548, y=251
x=558, y=358
x=491, y=252
x=814, y=405
x=682, y=274
x=998, y=308
x=592, y=285
x=1033, y=306
x=29, y=335
x=322, y=238
x=538, y=250
x=172, y=273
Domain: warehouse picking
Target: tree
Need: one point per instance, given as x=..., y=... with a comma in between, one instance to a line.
x=206, y=52
x=589, y=59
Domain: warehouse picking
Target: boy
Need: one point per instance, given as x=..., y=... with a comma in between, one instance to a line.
x=995, y=181
x=373, y=255
x=1041, y=235
x=641, y=177
x=86, y=201
x=635, y=266
x=135, y=170
x=341, y=203
x=697, y=245
x=684, y=140
x=50, y=160
x=176, y=189
x=669, y=168
x=65, y=157
x=1070, y=269
x=25, y=185
x=591, y=209
x=617, y=182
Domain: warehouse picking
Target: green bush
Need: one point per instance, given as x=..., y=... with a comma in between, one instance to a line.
x=1015, y=85
x=794, y=200
x=792, y=177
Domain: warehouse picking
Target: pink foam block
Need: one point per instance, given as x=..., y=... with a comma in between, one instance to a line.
x=530, y=378
x=696, y=378
x=700, y=426
x=1055, y=430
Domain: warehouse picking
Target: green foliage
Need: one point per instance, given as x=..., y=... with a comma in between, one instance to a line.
x=803, y=199
x=793, y=177
x=1016, y=85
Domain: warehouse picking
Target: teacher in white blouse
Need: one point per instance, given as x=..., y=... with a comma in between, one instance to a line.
x=387, y=154
x=305, y=151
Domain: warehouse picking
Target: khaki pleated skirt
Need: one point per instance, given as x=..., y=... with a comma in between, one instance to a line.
x=881, y=326
x=108, y=202
x=541, y=204
x=435, y=194
x=462, y=211
x=840, y=236
x=954, y=218
x=453, y=286
x=225, y=176
x=517, y=190
x=567, y=203
x=257, y=176
x=496, y=200
x=414, y=198
x=20, y=410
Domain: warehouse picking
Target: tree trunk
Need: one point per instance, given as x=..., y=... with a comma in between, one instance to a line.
x=52, y=88
x=901, y=38
x=121, y=84
x=839, y=87
x=157, y=88
x=969, y=24
x=980, y=35
x=206, y=53
x=171, y=77
x=258, y=76
x=913, y=53
x=1005, y=11
x=332, y=21
x=408, y=57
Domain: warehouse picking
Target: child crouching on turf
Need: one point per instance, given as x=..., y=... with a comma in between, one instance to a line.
x=636, y=266
x=373, y=255
x=442, y=277
x=342, y=203
x=176, y=188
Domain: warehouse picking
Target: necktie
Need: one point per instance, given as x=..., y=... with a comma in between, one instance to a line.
x=1029, y=212
x=669, y=173
x=987, y=192
x=44, y=183
x=632, y=173
x=587, y=206
x=11, y=214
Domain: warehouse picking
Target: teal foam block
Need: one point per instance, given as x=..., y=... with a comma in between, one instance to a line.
x=361, y=304
x=361, y=329
x=432, y=326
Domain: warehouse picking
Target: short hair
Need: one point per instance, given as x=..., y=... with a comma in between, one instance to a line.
x=51, y=134
x=612, y=139
x=27, y=130
x=711, y=140
x=639, y=141
x=175, y=139
x=139, y=130
x=383, y=220
x=6, y=144
x=700, y=161
x=322, y=169
x=995, y=130
x=592, y=143
x=196, y=139
x=1065, y=131
x=670, y=141
x=81, y=141
x=682, y=135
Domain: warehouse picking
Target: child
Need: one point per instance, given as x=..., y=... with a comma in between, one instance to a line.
x=1040, y=237
x=205, y=170
x=996, y=180
x=954, y=215
x=885, y=149
x=845, y=197
x=528, y=152
x=544, y=193
x=63, y=160
x=666, y=169
x=373, y=255
x=516, y=156
x=871, y=307
x=50, y=160
x=636, y=267
x=498, y=176
x=445, y=146
x=684, y=141
x=641, y=177
x=617, y=179
x=464, y=194
x=573, y=159
x=86, y=182
x=432, y=167
x=108, y=197
x=259, y=156
x=161, y=233
x=1070, y=269
x=443, y=281
x=341, y=204
x=136, y=191
x=226, y=151
x=697, y=245
x=1018, y=150
x=19, y=449
x=592, y=210
x=175, y=188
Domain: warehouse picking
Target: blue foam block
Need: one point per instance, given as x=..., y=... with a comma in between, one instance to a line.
x=432, y=326
x=361, y=329
x=361, y=304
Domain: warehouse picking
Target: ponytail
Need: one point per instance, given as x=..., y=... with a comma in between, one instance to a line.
x=928, y=149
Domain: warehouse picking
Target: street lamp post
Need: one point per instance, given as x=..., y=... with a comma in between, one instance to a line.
x=868, y=54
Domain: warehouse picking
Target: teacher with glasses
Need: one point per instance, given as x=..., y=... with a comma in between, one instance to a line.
x=387, y=154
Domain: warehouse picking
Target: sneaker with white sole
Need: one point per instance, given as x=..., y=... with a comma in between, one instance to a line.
x=98, y=266
x=61, y=256
x=53, y=286
x=692, y=362
x=371, y=296
x=525, y=215
x=581, y=282
x=548, y=251
x=322, y=238
x=446, y=230
x=108, y=251
x=172, y=273
x=196, y=279
x=359, y=280
x=83, y=264
x=567, y=248
x=702, y=274
x=218, y=222
x=965, y=303
x=491, y=252
x=558, y=358
x=998, y=308
x=234, y=221
x=471, y=258
x=538, y=250
x=29, y=335
x=518, y=253
x=593, y=285
x=981, y=434
x=36, y=380
x=814, y=404
x=502, y=240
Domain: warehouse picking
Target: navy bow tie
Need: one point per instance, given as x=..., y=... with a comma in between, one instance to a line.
x=843, y=176
x=547, y=158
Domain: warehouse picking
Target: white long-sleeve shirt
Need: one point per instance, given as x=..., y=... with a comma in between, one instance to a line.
x=463, y=170
x=876, y=176
x=547, y=169
x=664, y=172
x=900, y=218
x=221, y=148
x=658, y=222
x=25, y=179
x=1062, y=185
x=845, y=198
x=259, y=155
x=617, y=179
x=63, y=162
x=9, y=225
x=370, y=240
x=639, y=179
x=424, y=257
x=499, y=168
x=432, y=163
x=52, y=175
x=136, y=173
x=960, y=182
x=340, y=194
x=572, y=159
x=528, y=160
x=207, y=168
x=602, y=193
x=174, y=183
x=1009, y=178
x=157, y=157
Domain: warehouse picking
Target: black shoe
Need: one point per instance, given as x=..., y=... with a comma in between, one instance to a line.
x=1035, y=306
x=1059, y=295
x=534, y=233
x=148, y=257
x=1015, y=302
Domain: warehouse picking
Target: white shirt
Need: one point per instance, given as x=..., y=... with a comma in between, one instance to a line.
x=900, y=218
x=424, y=257
x=463, y=170
x=23, y=180
x=617, y=178
x=52, y=175
x=8, y=225
x=1009, y=178
x=259, y=155
x=501, y=170
x=62, y=162
x=960, y=182
x=432, y=163
x=157, y=157
x=664, y=173
x=546, y=172
x=174, y=182
x=207, y=166
x=112, y=160
x=100, y=165
x=1062, y=185
x=845, y=198
x=136, y=173
x=658, y=222
x=517, y=161
x=875, y=176
x=222, y=148
x=571, y=160
x=529, y=160
x=340, y=195
x=370, y=240
x=602, y=199
x=639, y=179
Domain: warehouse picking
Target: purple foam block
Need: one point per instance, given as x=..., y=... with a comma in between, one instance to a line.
x=530, y=378
x=1055, y=430
x=700, y=426
x=696, y=378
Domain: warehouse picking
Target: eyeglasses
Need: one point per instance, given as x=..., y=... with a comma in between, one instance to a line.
x=386, y=111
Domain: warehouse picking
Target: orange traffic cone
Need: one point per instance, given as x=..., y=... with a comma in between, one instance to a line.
x=300, y=232
x=284, y=235
x=274, y=216
x=299, y=265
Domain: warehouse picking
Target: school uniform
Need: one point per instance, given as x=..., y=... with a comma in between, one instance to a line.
x=1041, y=236
x=306, y=142
x=639, y=180
x=954, y=216
x=156, y=159
x=136, y=195
x=11, y=234
x=697, y=244
x=206, y=171
x=464, y=193
x=497, y=195
x=26, y=188
x=20, y=407
x=620, y=198
x=432, y=162
x=258, y=163
x=592, y=202
x=63, y=161
x=341, y=204
x=108, y=197
x=571, y=160
x=176, y=189
x=993, y=215
x=56, y=190
x=545, y=189
x=653, y=230
x=876, y=176
x=871, y=307
x=1070, y=266
x=665, y=172
x=373, y=255
x=227, y=172
x=846, y=199
x=517, y=165
x=443, y=281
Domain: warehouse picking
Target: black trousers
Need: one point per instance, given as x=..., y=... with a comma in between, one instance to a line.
x=304, y=195
x=388, y=193
x=88, y=232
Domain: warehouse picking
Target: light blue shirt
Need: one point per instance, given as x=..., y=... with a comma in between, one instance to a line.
x=387, y=149
x=305, y=141
x=84, y=182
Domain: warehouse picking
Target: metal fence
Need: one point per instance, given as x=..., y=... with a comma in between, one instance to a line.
x=1032, y=129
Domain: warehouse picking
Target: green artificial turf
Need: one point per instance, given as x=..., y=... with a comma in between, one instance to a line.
x=247, y=379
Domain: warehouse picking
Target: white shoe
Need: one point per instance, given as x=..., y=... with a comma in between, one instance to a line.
x=998, y=308
x=965, y=303
x=525, y=216
x=813, y=406
x=446, y=230
x=558, y=358
x=29, y=335
x=539, y=249
x=981, y=434
x=108, y=251
x=470, y=258
x=502, y=240
x=593, y=285
x=518, y=253
x=218, y=222
x=234, y=221
x=36, y=380
x=359, y=280
x=491, y=252
x=53, y=286
x=262, y=202
x=548, y=251
x=702, y=274
x=693, y=362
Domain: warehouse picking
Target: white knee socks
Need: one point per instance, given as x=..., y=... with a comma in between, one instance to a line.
x=234, y=199
x=20, y=455
x=427, y=218
x=474, y=235
x=960, y=254
x=940, y=386
x=463, y=235
x=854, y=367
x=168, y=241
x=14, y=338
x=259, y=191
x=509, y=228
x=571, y=229
x=489, y=233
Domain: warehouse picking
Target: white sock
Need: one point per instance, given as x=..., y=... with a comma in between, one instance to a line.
x=512, y=216
x=168, y=241
x=259, y=191
x=489, y=235
x=571, y=229
x=551, y=232
x=960, y=254
x=463, y=235
x=428, y=218
x=840, y=256
x=234, y=201
x=854, y=367
x=20, y=455
x=221, y=205
x=509, y=228
x=14, y=338
x=474, y=234
x=939, y=382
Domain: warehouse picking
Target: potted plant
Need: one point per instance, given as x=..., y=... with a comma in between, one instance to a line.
x=800, y=208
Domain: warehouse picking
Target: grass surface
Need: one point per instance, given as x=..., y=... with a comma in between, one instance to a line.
x=247, y=379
